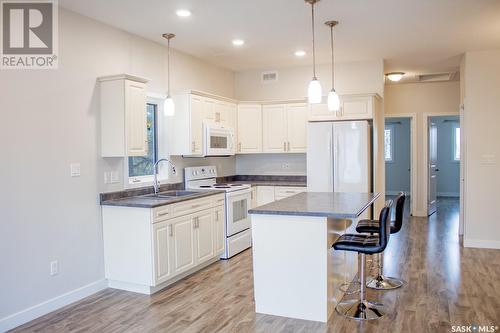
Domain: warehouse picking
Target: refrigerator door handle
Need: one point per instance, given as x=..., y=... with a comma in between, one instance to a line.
x=330, y=161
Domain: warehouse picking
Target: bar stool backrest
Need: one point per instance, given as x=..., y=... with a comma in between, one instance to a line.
x=384, y=227
x=400, y=206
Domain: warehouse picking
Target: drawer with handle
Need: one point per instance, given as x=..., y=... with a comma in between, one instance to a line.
x=161, y=213
x=281, y=192
x=191, y=206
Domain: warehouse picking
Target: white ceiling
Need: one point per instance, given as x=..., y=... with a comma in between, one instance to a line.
x=416, y=36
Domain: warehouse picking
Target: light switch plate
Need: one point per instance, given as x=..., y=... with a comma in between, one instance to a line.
x=75, y=170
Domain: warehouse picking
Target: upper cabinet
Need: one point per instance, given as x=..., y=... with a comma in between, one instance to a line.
x=285, y=128
x=352, y=107
x=274, y=128
x=185, y=128
x=123, y=116
x=249, y=129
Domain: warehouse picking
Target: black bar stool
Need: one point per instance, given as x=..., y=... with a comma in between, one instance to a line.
x=361, y=308
x=381, y=282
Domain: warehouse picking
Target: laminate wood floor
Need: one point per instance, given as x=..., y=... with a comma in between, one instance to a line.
x=446, y=285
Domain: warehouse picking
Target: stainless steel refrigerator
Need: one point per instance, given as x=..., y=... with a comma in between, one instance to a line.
x=339, y=156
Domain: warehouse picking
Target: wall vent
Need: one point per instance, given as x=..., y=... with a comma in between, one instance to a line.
x=268, y=77
x=437, y=77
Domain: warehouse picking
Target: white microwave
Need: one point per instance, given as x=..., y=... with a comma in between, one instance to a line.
x=217, y=140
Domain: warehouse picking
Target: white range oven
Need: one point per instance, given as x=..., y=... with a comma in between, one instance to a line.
x=217, y=140
x=237, y=229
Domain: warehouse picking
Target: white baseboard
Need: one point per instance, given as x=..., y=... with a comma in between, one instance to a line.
x=53, y=304
x=482, y=244
x=448, y=194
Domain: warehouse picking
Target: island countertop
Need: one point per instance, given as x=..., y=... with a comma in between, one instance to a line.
x=322, y=204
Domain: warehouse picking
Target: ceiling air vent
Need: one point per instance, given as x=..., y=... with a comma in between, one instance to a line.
x=436, y=77
x=268, y=77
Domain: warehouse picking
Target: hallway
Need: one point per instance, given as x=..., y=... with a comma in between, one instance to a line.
x=446, y=285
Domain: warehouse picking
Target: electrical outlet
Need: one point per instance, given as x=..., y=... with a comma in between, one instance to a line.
x=114, y=177
x=75, y=169
x=54, y=267
x=285, y=166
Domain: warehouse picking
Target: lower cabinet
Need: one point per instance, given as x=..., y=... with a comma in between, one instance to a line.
x=267, y=194
x=177, y=246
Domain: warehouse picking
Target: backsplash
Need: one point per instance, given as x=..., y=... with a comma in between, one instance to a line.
x=271, y=164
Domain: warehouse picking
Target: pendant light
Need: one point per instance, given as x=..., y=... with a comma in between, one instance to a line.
x=333, y=97
x=314, y=93
x=168, y=106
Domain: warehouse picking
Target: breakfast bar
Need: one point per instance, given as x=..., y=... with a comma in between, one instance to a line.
x=296, y=273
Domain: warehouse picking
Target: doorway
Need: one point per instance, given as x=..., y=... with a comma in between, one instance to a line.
x=400, y=159
x=443, y=169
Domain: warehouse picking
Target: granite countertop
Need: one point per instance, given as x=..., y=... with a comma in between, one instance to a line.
x=142, y=201
x=321, y=204
x=271, y=183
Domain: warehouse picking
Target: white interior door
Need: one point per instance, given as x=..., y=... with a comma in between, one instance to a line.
x=433, y=169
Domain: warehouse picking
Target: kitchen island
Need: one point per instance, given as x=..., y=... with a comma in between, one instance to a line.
x=296, y=272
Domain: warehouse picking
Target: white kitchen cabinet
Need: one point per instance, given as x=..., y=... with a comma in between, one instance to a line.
x=148, y=249
x=265, y=195
x=185, y=128
x=281, y=192
x=352, y=107
x=183, y=249
x=274, y=128
x=296, y=119
x=123, y=116
x=253, y=197
x=204, y=235
x=219, y=218
x=268, y=194
x=285, y=128
x=249, y=129
x=162, y=244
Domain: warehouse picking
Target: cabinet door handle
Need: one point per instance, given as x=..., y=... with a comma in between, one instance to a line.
x=288, y=145
x=239, y=147
x=162, y=214
x=216, y=215
x=193, y=146
x=284, y=146
x=171, y=232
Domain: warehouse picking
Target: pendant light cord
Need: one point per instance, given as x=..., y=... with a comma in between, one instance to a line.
x=333, y=60
x=314, y=50
x=168, y=68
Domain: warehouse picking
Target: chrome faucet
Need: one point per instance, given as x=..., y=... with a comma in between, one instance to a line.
x=156, y=185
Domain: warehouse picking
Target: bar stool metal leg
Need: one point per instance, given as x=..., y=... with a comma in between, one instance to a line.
x=381, y=282
x=361, y=309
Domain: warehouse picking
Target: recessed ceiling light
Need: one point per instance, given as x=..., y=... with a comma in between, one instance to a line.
x=183, y=13
x=300, y=53
x=238, y=42
x=395, y=76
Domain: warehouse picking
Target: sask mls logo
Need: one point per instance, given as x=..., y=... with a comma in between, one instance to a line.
x=29, y=34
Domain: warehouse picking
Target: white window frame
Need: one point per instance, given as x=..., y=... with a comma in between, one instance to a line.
x=390, y=128
x=455, y=141
x=163, y=173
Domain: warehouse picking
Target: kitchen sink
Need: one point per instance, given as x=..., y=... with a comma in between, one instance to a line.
x=170, y=194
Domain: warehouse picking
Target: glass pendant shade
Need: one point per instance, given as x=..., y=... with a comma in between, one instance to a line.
x=314, y=92
x=169, y=107
x=333, y=101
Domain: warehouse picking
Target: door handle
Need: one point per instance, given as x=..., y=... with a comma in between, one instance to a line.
x=437, y=169
x=171, y=232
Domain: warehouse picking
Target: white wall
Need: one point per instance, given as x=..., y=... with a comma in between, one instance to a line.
x=271, y=164
x=48, y=119
x=421, y=99
x=350, y=78
x=481, y=119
